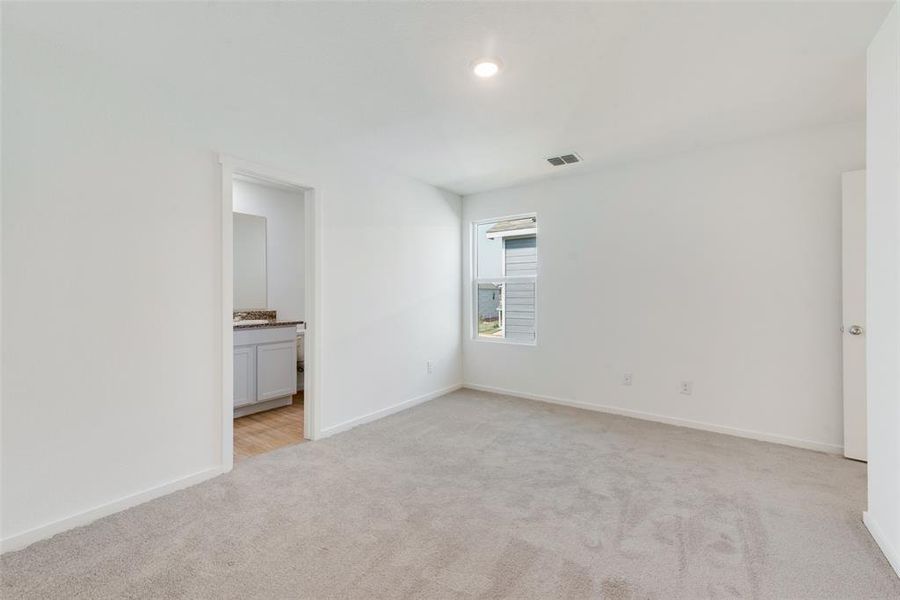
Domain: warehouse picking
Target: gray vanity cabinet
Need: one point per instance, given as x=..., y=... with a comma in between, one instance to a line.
x=276, y=370
x=265, y=368
x=244, y=375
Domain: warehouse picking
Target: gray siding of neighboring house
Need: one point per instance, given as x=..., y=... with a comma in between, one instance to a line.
x=520, y=256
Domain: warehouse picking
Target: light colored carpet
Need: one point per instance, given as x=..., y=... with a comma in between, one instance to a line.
x=480, y=496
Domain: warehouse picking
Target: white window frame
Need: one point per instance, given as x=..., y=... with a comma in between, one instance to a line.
x=473, y=245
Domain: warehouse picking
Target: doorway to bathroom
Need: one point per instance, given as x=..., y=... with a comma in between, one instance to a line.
x=269, y=275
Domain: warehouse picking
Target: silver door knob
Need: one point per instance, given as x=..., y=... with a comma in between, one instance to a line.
x=855, y=330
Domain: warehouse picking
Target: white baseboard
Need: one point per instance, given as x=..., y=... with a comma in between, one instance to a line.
x=379, y=414
x=744, y=433
x=21, y=540
x=26, y=538
x=889, y=551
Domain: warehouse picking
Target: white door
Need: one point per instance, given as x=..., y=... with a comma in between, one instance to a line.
x=853, y=239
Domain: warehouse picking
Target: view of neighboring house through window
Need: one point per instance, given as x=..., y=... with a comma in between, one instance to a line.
x=505, y=278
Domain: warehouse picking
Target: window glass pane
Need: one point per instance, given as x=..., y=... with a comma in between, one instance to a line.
x=489, y=252
x=505, y=278
x=506, y=310
x=490, y=297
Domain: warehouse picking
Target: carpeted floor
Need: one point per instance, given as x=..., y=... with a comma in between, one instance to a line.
x=480, y=496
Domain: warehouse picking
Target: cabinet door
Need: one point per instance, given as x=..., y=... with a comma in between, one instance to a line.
x=244, y=375
x=276, y=370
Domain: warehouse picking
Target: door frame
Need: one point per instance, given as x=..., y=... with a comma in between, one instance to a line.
x=312, y=382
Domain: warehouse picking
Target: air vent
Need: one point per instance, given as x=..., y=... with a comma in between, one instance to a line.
x=565, y=159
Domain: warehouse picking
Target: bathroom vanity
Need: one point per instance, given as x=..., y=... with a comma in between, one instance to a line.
x=265, y=366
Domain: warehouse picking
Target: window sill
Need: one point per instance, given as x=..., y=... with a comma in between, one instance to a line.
x=487, y=340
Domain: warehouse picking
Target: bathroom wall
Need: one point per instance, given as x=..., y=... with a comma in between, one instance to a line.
x=285, y=247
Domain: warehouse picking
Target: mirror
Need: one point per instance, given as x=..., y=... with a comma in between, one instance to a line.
x=249, y=262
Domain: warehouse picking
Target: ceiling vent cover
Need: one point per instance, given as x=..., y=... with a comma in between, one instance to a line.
x=565, y=159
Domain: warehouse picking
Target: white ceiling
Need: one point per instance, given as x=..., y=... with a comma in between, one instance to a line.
x=390, y=83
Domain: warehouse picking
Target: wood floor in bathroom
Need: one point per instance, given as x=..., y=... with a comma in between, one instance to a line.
x=269, y=430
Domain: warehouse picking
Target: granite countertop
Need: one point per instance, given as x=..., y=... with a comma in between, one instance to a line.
x=269, y=325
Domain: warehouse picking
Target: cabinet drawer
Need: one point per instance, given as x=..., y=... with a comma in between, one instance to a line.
x=266, y=335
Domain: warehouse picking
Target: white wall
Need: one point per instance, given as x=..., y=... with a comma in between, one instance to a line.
x=111, y=350
x=285, y=246
x=721, y=267
x=883, y=286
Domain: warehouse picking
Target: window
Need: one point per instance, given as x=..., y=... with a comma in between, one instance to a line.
x=505, y=278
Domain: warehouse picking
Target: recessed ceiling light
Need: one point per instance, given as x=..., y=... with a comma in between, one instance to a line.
x=486, y=67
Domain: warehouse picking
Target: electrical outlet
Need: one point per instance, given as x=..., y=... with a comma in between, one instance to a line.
x=687, y=388
x=626, y=379
x=429, y=367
